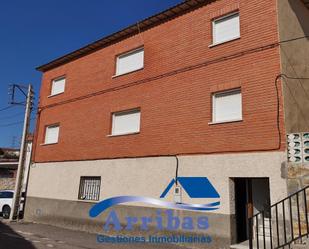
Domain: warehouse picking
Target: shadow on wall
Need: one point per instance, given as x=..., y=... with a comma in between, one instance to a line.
x=10, y=239
x=294, y=23
x=302, y=14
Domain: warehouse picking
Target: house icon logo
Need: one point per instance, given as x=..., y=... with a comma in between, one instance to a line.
x=194, y=187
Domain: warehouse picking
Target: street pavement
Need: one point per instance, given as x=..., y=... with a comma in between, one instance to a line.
x=21, y=235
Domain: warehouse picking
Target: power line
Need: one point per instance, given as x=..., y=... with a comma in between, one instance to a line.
x=15, y=115
x=12, y=116
x=167, y=74
x=284, y=76
x=6, y=108
x=11, y=124
x=15, y=123
x=177, y=71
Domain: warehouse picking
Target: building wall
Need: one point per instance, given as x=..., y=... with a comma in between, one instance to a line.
x=150, y=176
x=176, y=107
x=53, y=187
x=7, y=179
x=293, y=19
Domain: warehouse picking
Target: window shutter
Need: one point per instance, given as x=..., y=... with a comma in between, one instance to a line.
x=130, y=62
x=52, y=133
x=58, y=86
x=128, y=122
x=226, y=28
x=227, y=106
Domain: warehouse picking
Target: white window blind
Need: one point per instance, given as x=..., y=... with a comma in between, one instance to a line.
x=226, y=28
x=129, y=62
x=58, y=86
x=126, y=122
x=227, y=106
x=51, y=134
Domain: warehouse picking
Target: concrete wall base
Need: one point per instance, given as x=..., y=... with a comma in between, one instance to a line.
x=74, y=215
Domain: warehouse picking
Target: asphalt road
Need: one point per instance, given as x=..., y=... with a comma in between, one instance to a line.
x=37, y=236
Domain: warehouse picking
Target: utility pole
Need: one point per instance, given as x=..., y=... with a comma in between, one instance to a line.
x=21, y=164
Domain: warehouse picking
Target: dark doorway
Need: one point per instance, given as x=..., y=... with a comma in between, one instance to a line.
x=241, y=204
x=251, y=196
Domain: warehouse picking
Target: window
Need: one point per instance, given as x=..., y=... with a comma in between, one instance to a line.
x=6, y=195
x=227, y=106
x=51, y=134
x=226, y=28
x=58, y=86
x=89, y=188
x=126, y=122
x=130, y=61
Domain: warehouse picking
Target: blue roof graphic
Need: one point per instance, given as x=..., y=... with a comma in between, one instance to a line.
x=195, y=187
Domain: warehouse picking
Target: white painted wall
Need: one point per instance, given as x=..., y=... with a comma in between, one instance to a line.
x=150, y=176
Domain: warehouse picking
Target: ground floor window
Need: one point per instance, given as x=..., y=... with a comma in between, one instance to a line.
x=89, y=188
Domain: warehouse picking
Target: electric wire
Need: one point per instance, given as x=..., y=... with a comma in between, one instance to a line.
x=284, y=76
x=224, y=58
x=171, y=73
x=177, y=165
x=11, y=116
x=14, y=123
x=6, y=108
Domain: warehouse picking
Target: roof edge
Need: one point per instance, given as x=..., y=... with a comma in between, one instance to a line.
x=152, y=21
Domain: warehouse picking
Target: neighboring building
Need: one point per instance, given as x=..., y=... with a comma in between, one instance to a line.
x=9, y=158
x=8, y=167
x=202, y=80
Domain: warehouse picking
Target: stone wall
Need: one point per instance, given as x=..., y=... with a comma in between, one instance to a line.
x=7, y=183
x=7, y=179
x=297, y=177
x=291, y=213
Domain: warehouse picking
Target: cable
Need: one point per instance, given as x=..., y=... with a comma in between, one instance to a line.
x=12, y=116
x=278, y=110
x=176, y=177
x=167, y=74
x=284, y=76
x=12, y=124
x=177, y=71
x=278, y=101
x=6, y=108
x=17, y=114
x=294, y=39
x=293, y=78
x=139, y=33
x=16, y=123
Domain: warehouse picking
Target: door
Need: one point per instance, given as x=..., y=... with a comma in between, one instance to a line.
x=243, y=207
x=252, y=195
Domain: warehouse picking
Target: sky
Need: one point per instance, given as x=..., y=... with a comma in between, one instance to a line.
x=34, y=32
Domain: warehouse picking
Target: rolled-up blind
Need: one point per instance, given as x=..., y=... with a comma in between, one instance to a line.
x=51, y=135
x=227, y=106
x=226, y=28
x=130, y=61
x=58, y=86
x=126, y=122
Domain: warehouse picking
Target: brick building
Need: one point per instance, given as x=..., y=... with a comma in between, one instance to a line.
x=204, y=81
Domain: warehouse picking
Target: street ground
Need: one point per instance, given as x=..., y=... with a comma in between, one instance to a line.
x=21, y=235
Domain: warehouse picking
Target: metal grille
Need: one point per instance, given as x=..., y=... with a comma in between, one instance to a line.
x=282, y=224
x=89, y=188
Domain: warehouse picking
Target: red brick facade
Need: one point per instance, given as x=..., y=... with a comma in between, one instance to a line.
x=175, y=104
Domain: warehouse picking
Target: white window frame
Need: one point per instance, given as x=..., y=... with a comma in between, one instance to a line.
x=52, y=86
x=228, y=92
x=214, y=43
x=46, y=130
x=117, y=73
x=114, y=114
